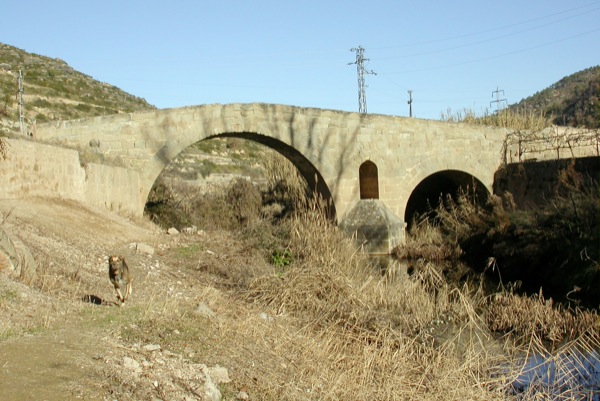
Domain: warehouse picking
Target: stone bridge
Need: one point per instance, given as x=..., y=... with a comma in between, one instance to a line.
x=346, y=157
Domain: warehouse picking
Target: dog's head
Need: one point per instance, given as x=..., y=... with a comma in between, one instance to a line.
x=114, y=262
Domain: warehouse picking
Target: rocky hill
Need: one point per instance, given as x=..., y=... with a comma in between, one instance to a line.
x=572, y=101
x=52, y=90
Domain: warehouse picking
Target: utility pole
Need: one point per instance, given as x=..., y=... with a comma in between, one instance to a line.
x=410, y=100
x=498, y=100
x=21, y=104
x=360, y=69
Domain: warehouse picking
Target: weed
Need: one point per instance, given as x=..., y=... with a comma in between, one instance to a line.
x=245, y=201
x=281, y=258
x=189, y=251
x=8, y=296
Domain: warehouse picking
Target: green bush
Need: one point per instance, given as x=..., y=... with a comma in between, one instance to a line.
x=39, y=102
x=83, y=107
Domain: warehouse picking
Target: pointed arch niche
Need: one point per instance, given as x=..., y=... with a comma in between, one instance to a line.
x=369, y=180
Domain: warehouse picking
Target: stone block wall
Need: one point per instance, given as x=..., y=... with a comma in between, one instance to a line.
x=35, y=169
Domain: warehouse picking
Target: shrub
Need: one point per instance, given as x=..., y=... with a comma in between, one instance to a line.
x=285, y=186
x=525, y=318
x=554, y=247
x=245, y=200
x=39, y=102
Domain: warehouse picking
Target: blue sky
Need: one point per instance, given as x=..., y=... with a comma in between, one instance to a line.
x=451, y=54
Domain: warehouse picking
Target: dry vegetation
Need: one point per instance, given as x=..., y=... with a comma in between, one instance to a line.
x=519, y=120
x=340, y=328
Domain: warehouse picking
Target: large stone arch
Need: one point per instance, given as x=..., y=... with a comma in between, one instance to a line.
x=429, y=191
x=307, y=170
x=320, y=143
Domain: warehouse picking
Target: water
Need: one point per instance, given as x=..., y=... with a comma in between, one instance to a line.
x=572, y=375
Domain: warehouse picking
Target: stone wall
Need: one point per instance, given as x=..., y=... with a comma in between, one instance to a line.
x=36, y=169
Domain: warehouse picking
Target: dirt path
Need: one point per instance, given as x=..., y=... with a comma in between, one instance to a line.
x=55, y=345
x=47, y=354
x=45, y=367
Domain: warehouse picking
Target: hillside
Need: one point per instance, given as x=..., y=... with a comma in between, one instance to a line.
x=55, y=91
x=572, y=101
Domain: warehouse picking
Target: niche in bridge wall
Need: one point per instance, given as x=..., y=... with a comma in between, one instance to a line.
x=369, y=180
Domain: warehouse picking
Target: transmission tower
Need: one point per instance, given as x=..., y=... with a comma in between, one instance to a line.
x=360, y=69
x=498, y=100
x=21, y=104
x=410, y=101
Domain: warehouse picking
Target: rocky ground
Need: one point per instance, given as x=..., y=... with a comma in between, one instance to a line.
x=63, y=336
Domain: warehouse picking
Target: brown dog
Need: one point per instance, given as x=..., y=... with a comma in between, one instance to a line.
x=118, y=272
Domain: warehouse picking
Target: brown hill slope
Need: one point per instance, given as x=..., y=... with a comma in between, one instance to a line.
x=52, y=90
x=572, y=101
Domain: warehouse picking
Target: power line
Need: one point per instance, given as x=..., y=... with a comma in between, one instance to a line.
x=494, y=56
x=462, y=46
x=446, y=39
x=360, y=70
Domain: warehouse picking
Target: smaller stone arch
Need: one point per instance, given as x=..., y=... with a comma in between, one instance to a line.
x=428, y=193
x=368, y=180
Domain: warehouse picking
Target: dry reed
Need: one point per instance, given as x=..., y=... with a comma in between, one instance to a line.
x=507, y=118
x=363, y=336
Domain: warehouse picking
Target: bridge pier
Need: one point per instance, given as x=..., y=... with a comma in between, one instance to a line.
x=374, y=226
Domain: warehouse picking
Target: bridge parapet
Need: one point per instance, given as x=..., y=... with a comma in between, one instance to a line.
x=115, y=139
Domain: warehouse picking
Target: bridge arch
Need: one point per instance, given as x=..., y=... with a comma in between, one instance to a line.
x=307, y=170
x=427, y=194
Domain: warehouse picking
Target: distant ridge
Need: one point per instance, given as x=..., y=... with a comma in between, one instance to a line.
x=572, y=101
x=55, y=91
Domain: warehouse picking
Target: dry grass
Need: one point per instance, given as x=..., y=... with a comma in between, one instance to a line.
x=285, y=186
x=360, y=335
x=335, y=328
x=327, y=324
x=507, y=118
x=427, y=241
x=525, y=318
